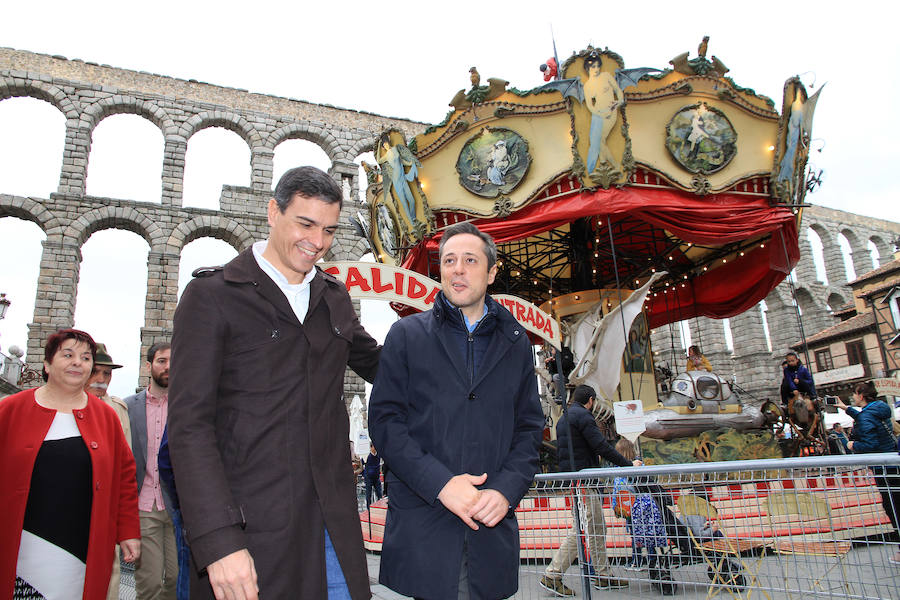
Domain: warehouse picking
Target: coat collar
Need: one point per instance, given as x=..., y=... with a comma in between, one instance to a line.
x=244, y=269
x=445, y=314
x=443, y=311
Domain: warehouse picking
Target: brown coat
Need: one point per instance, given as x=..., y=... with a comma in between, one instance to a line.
x=258, y=429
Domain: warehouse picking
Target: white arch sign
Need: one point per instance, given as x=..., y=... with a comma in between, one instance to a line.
x=376, y=281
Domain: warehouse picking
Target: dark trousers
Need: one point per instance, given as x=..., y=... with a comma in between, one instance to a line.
x=888, y=481
x=373, y=483
x=182, y=584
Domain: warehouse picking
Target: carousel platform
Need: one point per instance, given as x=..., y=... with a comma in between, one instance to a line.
x=545, y=519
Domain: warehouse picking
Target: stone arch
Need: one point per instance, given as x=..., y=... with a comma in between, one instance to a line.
x=814, y=314
x=13, y=88
x=852, y=238
x=836, y=301
x=225, y=119
x=27, y=209
x=119, y=104
x=360, y=248
x=222, y=228
x=361, y=146
x=316, y=134
x=806, y=299
x=824, y=234
x=113, y=217
x=884, y=249
x=347, y=248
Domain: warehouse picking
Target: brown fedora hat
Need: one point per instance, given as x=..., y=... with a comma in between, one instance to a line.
x=104, y=359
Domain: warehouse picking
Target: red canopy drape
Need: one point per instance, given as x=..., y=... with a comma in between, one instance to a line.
x=723, y=291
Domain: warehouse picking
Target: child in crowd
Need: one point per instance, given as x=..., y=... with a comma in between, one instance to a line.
x=642, y=515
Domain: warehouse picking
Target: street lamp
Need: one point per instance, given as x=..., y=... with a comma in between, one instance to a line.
x=4, y=305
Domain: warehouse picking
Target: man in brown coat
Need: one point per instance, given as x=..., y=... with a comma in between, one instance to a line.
x=257, y=426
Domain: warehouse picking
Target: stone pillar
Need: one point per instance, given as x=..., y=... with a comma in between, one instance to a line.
x=885, y=251
x=54, y=305
x=666, y=346
x=752, y=360
x=709, y=335
x=862, y=261
x=834, y=262
x=73, y=176
x=159, y=305
x=782, y=321
x=806, y=267
x=354, y=385
x=173, y=171
x=261, y=160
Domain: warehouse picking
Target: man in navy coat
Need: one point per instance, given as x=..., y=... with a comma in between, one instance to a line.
x=454, y=411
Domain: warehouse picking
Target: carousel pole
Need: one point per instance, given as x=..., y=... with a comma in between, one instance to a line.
x=612, y=248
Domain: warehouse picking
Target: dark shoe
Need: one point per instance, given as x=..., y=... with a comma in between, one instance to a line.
x=556, y=586
x=608, y=583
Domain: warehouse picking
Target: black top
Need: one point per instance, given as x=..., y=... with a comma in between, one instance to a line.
x=588, y=441
x=59, y=501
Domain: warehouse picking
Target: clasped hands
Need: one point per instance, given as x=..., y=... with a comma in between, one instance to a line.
x=470, y=504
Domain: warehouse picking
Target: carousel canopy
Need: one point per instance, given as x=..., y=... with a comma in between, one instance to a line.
x=604, y=176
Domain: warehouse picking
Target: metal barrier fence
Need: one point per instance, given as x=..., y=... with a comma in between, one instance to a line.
x=791, y=528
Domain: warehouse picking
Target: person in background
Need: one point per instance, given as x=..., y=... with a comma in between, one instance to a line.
x=167, y=477
x=588, y=445
x=69, y=491
x=156, y=574
x=356, y=462
x=873, y=431
x=98, y=384
x=696, y=361
x=797, y=380
x=839, y=439
x=372, y=474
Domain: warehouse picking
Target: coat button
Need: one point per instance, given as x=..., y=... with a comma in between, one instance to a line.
x=79, y=414
x=94, y=445
x=337, y=330
x=98, y=485
x=471, y=396
x=516, y=332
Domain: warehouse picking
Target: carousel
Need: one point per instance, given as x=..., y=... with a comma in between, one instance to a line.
x=621, y=200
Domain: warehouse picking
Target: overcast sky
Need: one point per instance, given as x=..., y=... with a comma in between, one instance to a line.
x=404, y=59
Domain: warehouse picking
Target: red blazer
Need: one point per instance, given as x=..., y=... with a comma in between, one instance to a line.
x=114, y=513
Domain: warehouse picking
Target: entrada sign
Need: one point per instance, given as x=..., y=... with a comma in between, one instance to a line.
x=376, y=281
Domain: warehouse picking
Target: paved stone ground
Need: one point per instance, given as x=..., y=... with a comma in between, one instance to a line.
x=879, y=580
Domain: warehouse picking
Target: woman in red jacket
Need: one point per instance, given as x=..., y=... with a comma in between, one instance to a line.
x=69, y=488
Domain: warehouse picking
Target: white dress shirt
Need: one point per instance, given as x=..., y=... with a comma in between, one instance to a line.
x=297, y=294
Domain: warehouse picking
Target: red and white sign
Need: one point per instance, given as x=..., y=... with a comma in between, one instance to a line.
x=375, y=281
x=887, y=386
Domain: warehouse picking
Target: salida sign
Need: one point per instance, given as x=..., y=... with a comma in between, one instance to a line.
x=393, y=284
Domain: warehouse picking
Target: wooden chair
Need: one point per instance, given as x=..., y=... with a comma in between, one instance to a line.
x=799, y=520
x=722, y=553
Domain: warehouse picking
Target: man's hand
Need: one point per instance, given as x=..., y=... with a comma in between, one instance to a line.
x=849, y=445
x=491, y=507
x=131, y=549
x=637, y=463
x=233, y=577
x=459, y=495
